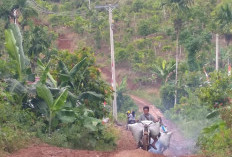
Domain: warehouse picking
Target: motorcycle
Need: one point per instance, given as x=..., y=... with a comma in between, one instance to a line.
x=145, y=141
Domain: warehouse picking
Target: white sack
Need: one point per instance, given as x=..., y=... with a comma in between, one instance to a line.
x=165, y=138
x=154, y=129
x=137, y=131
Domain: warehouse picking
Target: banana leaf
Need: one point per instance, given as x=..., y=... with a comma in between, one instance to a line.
x=42, y=67
x=67, y=116
x=13, y=50
x=90, y=95
x=19, y=42
x=44, y=93
x=14, y=86
x=60, y=101
x=63, y=68
x=43, y=78
x=77, y=67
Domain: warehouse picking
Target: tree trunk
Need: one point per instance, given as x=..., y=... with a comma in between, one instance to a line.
x=217, y=50
x=177, y=57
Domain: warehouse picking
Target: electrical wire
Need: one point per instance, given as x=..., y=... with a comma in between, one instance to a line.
x=34, y=5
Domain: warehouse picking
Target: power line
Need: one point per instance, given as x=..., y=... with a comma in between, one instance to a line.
x=33, y=4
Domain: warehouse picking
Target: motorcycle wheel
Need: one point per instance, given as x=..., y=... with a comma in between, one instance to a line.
x=145, y=141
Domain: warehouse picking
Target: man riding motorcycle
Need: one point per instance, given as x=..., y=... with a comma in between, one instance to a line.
x=147, y=116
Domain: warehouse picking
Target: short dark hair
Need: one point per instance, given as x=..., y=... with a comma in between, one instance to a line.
x=146, y=107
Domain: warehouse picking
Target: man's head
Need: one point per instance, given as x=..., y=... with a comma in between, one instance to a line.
x=146, y=109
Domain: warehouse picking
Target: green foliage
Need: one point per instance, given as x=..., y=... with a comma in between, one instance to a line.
x=100, y=138
x=13, y=51
x=167, y=92
x=223, y=15
x=120, y=54
x=68, y=77
x=194, y=40
x=15, y=123
x=124, y=102
x=53, y=105
x=46, y=72
x=137, y=5
x=144, y=28
x=164, y=69
x=217, y=92
x=190, y=116
x=216, y=140
x=19, y=43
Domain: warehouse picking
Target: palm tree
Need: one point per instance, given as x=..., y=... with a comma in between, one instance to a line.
x=224, y=22
x=178, y=8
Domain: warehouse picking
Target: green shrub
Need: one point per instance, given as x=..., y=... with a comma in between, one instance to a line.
x=167, y=95
x=84, y=137
x=12, y=138
x=121, y=54
x=217, y=91
x=14, y=123
x=216, y=140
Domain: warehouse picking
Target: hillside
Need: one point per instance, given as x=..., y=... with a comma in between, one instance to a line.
x=55, y=73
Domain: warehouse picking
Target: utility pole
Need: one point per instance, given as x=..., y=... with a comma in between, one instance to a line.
x=176, y=79
x=217, y=51
x=89, y=4
x=15, y=16
x=110, y=9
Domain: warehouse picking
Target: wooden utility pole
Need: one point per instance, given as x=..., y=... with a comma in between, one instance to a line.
x=15, y=16
x=217, y=51
x=89, y=4
x=177, y=56
x=110, y=9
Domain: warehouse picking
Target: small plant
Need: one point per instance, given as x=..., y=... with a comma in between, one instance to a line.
x=53, y=105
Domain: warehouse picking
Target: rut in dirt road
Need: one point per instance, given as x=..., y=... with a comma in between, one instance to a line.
x=179, y=146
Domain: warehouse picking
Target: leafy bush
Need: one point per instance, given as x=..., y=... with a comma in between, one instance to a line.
x=124, y=102
x=84, y=135
x=121, y=54
x=167, y=95
x=216, y=140
x=217, y=91
x=144, y=28
x=15, y=123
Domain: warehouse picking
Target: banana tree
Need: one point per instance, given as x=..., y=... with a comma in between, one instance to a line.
x=68, y=77
x=47, y=73
x=53, y=105
x=14, y=48
x=13, y=51
x=164, y=70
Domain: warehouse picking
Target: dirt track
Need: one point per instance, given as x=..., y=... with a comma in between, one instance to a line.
x=179, y=146
x=126, y=146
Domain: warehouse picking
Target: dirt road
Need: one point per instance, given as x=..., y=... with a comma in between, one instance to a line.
x=179, y=146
